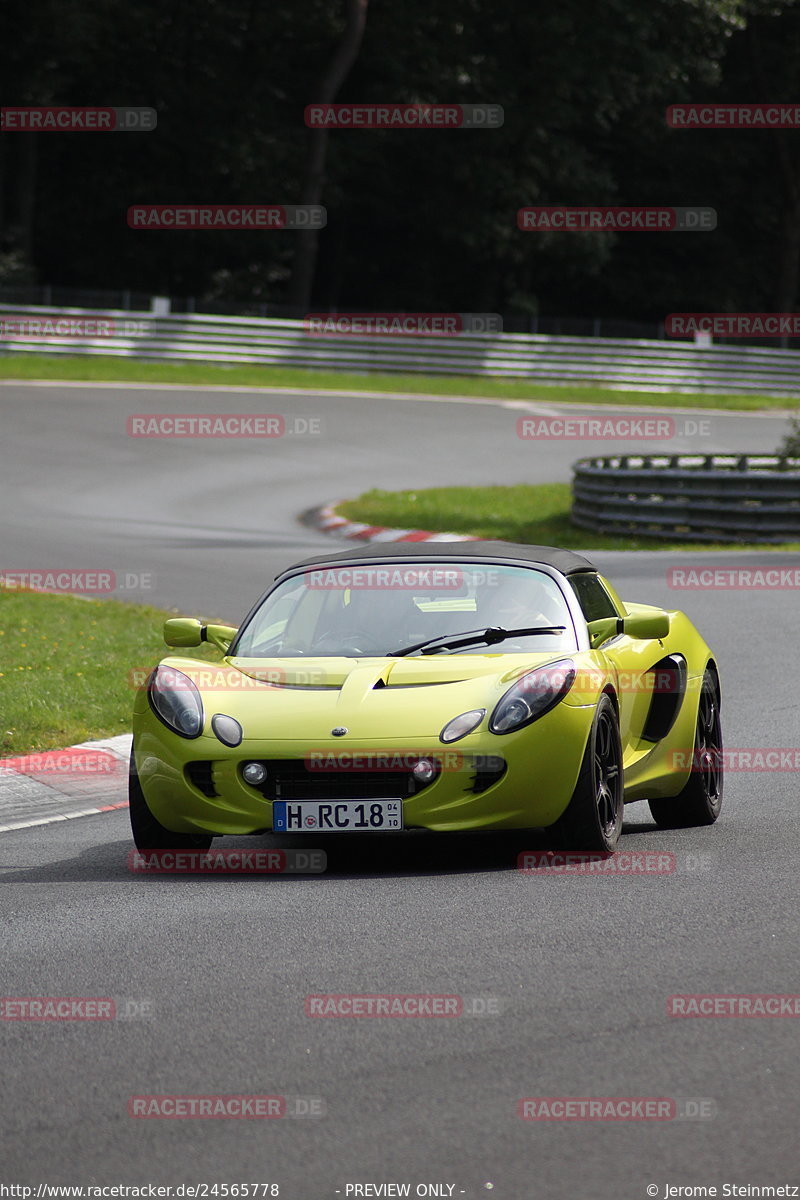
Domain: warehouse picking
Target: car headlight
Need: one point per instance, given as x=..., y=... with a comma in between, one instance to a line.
x=534, y=694
x=460, y=726
x=175, y=700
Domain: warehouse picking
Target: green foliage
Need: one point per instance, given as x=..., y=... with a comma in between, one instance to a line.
x=97, y=368
x=69, y=667
x=417, y=220
x=790, y=446
x=534, y=514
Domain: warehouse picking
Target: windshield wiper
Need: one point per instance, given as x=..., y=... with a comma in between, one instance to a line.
x=471, y=637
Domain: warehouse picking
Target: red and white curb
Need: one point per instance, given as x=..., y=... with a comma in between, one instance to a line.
x=328, y=520
x=60, y=785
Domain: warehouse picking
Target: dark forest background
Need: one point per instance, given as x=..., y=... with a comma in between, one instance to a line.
x=416, y=220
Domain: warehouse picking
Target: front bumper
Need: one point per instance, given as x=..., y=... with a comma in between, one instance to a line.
x=542, y=762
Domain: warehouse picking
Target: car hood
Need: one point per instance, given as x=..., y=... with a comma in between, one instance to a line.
x=374, y=698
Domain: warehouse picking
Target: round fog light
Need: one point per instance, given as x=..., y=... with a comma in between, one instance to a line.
x=423, y=771
x=254, y=773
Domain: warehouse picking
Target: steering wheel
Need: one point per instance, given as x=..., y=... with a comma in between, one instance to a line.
x=348, y=641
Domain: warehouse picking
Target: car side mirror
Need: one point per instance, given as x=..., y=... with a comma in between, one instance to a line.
x=183, y=632
x=647, y=625
x=644, y=626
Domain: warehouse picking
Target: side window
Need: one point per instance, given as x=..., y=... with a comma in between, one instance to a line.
x=593, y=598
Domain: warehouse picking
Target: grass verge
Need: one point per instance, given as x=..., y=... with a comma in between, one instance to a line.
x=106, y=369
x=67, y=667
x=537, y=514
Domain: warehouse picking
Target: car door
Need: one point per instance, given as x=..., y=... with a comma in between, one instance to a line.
x=634, y=661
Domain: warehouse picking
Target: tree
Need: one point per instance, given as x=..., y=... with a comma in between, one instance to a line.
x=345, y=55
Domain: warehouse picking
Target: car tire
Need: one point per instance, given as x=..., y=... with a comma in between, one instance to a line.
x=593, y=818
x=700, y=801
x=150, y=834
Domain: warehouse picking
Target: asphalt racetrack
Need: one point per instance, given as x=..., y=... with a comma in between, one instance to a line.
x=575, y=971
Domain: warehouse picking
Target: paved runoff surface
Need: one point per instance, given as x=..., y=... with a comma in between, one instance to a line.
x=563, y=980
x=59, y=785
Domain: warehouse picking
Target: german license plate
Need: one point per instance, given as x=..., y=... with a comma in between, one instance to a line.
x=336, y=816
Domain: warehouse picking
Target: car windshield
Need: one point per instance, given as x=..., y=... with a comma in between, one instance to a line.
x=376, y=609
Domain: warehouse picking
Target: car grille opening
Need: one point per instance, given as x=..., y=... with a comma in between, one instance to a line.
x=292, y=779
x=200, y=775
x=486, y=772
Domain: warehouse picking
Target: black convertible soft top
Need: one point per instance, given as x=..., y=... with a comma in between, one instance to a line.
x=565, y=561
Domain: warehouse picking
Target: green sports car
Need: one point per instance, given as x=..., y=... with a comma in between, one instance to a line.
x=440, y=686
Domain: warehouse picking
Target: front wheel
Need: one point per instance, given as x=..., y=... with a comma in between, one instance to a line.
x=150, y=834
x=701, y=799
x=593, y=818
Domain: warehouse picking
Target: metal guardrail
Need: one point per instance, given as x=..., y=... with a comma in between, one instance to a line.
x=685, y=497
x=517, y=322
x=617, y=363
